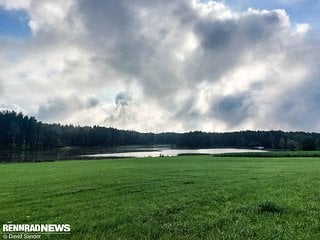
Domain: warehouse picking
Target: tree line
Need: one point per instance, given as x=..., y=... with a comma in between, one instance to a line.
x=21, y=132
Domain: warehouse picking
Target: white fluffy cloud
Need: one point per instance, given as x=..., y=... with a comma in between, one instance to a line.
x=162, y=66
x=16, y=4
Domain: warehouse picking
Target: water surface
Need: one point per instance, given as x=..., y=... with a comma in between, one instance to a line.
x=171, y=152
x=111, y=152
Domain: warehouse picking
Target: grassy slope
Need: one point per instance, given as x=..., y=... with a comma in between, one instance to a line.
x=195, y=197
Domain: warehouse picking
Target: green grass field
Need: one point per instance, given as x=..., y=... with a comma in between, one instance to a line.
x=273, y=154
x=187, y=197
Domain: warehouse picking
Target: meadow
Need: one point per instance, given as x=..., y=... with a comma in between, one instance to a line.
x=185, y=197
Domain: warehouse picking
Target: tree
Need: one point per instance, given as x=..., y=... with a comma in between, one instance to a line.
x=26, y=133
x=309, y=144
x=292, y=145
x=282, y=144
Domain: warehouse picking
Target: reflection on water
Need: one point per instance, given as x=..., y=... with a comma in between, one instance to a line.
x=38, y=156
x=171, y=152
x=115, y=152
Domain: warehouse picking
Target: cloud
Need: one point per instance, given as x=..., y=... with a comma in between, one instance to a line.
x=302, y=28
x=162, y=66
x=17, y=4
x=233, y=110
x=62, y=108
x=122, y=99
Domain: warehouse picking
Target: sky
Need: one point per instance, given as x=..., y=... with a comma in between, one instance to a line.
x=163, y=65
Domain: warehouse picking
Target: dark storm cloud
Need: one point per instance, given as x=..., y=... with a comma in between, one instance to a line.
x=226, y=42
x=233, y=110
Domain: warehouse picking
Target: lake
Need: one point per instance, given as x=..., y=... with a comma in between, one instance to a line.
x=113, y=152
x=171, y=152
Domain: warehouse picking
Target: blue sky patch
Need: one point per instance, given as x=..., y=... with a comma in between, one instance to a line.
x=14, y=24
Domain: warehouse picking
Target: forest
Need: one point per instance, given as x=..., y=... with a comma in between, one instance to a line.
x=21, y=132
